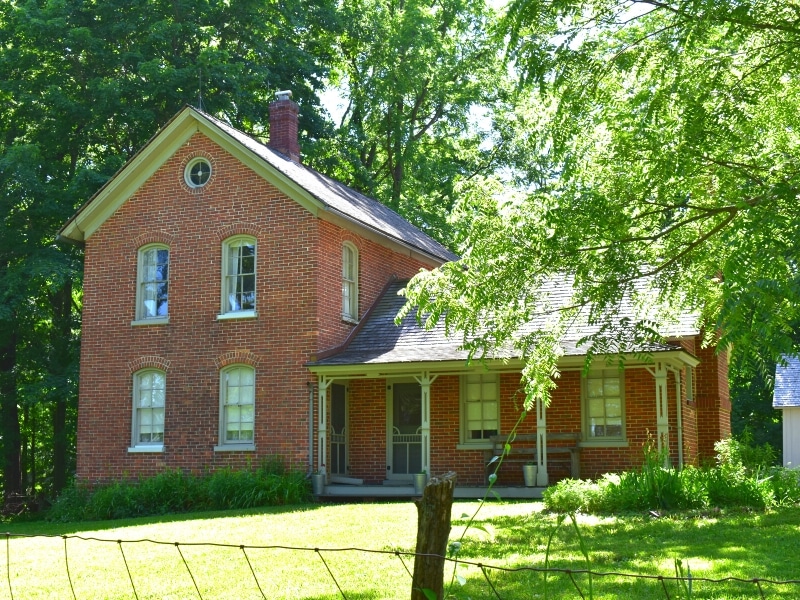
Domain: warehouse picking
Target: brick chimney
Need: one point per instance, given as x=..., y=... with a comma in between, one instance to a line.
x=283, y=118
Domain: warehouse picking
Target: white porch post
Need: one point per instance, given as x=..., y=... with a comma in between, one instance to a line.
x=425, y=381
x=542, y=478
x=662, y=410
x=679, y=417
x=322, y=431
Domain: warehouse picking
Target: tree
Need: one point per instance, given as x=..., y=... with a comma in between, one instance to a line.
x=662, y=146
x=415, y=73
x=83, y=86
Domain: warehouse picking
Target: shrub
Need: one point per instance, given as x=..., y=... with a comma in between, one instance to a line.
x=174, y=492
x=742, y=477
x=570, y=496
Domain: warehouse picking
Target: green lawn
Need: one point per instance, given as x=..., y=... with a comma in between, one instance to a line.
x=509, y=535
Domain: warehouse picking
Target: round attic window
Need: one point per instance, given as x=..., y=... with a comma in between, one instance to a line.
x=197, y=173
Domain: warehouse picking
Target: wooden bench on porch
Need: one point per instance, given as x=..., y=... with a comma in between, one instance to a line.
x=562, y=449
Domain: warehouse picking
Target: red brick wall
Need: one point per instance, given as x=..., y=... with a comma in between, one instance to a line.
x=713, y=400
x=298, y=262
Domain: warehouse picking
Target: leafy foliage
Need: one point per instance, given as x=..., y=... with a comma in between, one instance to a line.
x=661, y=141
x=744, y=476
x=415, y=74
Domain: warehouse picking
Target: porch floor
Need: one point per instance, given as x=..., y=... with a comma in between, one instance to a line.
x=407, y=491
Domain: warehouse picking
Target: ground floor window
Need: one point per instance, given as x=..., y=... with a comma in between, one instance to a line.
x=479, y=408
x=149, y=398
x=237, y=405
x=604, y=405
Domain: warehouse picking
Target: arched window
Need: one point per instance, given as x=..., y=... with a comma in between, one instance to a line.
x=239, y=276
x=149, y=400
x=349, y=282
x=237, y=407
x=152, y=291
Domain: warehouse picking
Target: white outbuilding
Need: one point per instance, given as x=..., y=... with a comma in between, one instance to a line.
x=787, y=398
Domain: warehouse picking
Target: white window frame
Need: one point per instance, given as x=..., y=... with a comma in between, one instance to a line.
x=148, y=403
x=607, y=400
x=349, y=282
x=141, y=316
x=228, y=402
x=231, y=300
x=486, y=400
x=187, y=172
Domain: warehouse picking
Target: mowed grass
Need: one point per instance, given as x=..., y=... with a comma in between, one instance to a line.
x=508, y=535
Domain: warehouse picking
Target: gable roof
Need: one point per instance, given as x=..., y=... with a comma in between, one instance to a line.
x=314, y=191
x=378, y=341
x=787, y=383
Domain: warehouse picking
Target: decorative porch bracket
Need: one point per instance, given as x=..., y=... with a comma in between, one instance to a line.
x=542, y=478
x=322, y=432
x=425, y=381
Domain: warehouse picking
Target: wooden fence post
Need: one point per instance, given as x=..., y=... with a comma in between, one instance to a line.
x=433, y=531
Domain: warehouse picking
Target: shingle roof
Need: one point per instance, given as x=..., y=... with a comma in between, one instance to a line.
x=379, y=341
x=787, y=384
x=340, y=198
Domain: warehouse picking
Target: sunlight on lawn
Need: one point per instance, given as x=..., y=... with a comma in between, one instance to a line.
x=209, y=562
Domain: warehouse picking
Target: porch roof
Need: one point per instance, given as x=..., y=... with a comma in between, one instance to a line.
x=787, y=384
x=379, y=341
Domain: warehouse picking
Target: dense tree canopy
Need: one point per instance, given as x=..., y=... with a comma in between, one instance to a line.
x=663, y=140
x=83, y=85
x=416, y=74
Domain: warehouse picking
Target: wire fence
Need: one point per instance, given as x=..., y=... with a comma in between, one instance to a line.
x=109, y=570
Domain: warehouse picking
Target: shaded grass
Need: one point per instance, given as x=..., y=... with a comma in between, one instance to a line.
x=512, y=535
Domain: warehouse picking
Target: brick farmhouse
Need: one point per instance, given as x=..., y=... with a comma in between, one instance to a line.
x=239, y=305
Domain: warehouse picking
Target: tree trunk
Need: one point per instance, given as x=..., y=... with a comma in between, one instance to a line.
x=9, y=420
x=433, y=531
x=60, y=364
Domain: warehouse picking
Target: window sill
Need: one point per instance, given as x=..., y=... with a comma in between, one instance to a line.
x=241, y=314
x=349, y=320
x=235, y=448
x=486, y=446
x=152, y=321
x=603, y=444
x=144, y=449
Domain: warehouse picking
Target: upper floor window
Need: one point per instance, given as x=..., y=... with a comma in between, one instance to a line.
x=152, y=294
x=239, y=276
x=604, y=405
x=149, y=398
x=197, y=173
x=349, y=282
x=237, y=406
x=480, y=418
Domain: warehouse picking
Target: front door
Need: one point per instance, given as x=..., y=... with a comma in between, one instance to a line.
x=338, y=458
x=404, y=430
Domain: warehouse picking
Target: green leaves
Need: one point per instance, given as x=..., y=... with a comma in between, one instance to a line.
x=658, y=153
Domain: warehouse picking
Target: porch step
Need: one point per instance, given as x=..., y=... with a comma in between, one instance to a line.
x=395, y=483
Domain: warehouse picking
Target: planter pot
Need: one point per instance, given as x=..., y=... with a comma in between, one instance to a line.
x=420, y=481
x=317, y=483
x=529, y=472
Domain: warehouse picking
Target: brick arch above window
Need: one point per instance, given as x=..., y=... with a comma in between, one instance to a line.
x=149, y=362
x=237, y=357
x=346, y=237
x=153, y=237
x=235, y=229
x=189, y=158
